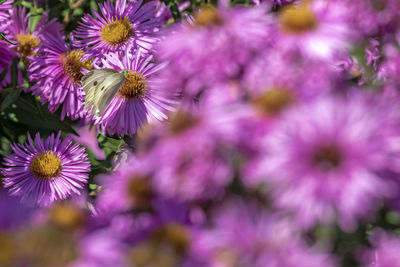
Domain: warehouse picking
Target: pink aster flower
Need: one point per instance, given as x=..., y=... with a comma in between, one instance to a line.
x=119, y=26
x=319, y=28
x=191, y=161
x=210, y=49
x=41, y=172
x=325, y=160
x=57, y=73
x=243, y=234
x=127, y=189
x=18, y=32
x=140, y=99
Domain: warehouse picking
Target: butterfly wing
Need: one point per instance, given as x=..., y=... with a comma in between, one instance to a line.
x=92, y=83
x=107, y=91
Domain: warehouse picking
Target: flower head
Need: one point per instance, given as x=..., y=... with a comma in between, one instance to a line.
x=210, y=49
x=41, y=172
x=325, y=160
x=319, y=29
x=139, y=100
x=243, y=234
x=122, y=26
x=58, y=71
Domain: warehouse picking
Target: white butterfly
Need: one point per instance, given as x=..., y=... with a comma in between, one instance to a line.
x=100, y=87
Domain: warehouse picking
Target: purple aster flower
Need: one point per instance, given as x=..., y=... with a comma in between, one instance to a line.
x=319, y=29
x=128, y=188
x=324, y=161
x=18, y=32
x=373, y=17
x=210, y=49
x=242, y=234
x=41, y=172
x=57, y=73
x=140, y=99
x=384, y=252
x=191, y=161
x=118, y=27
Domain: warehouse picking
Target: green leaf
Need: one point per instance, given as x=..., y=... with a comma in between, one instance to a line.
x=24, y=73
x=36, y=15
x=14, y=72
x=3, y=74
x=10, y=98
x=173, y=7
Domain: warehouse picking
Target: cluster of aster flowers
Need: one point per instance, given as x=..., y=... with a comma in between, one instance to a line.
x=262, y=133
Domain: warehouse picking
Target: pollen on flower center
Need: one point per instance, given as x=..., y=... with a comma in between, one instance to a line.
x=135, y=85
x=117, y=32
x=274, y=101
x=327, y=157
x=298, y=19
x=46, y=165
x=173, y=234
x=181, y=121
x=139, y=190
x=26, y=43
x=66, y=216
x=72, y=64
x=207, y=17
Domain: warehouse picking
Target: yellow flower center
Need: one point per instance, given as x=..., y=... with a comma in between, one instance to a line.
x=327, y=157
x=46, y=165
x=139, y=191
x=274, y=101
x=66, y=216
x=135, y=85
x=165, y=248
x=72, y=64
x=298, y=19
x=7, y=249
x=182, y=121
x=207, y=16
x=47, y=246
x=117, y=31
x=26, y=43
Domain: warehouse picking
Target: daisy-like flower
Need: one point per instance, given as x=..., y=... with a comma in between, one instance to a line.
x=326, y=161
x=128, y=188
x=41, y=172
x=28, y=42
x=209, y=49
x=318, y=28
x=140, y=99
x=119, y=26
x=58, y=71
x=243, y=234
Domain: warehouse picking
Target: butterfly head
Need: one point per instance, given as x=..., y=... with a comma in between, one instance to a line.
x=124, y=72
